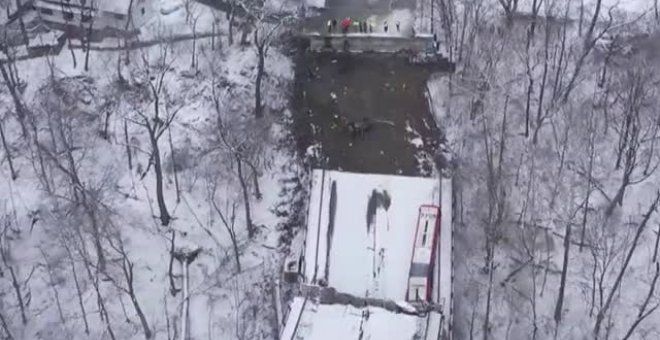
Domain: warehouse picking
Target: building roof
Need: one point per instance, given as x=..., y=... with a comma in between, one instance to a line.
x=361, y=230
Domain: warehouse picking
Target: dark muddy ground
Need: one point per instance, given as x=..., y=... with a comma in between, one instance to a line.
x=384, y=88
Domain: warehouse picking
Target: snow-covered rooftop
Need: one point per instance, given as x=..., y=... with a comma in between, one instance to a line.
x=361, y=229
x=310, y=321
x=115, y=6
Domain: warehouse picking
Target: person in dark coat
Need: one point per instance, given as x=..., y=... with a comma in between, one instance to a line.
x=385, y=26
x=334, y=25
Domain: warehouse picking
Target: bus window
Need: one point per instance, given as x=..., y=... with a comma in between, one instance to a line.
x=424, y=235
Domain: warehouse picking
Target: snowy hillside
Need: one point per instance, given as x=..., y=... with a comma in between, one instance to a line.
x=552, y=137
x=140, y=197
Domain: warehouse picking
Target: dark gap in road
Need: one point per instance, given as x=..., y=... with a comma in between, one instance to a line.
x=384, y=88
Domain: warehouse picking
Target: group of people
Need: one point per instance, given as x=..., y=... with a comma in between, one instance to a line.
x=361, y=26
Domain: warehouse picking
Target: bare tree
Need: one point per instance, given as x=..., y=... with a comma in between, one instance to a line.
x=590, y=40
x=559, y=306
x=89, y=18
x=510, y=7
x=227, y=216
x=602, y=312
x=157, y=123
x=633, y=131
x=64, y=154
x=128, y=286
x=8, y=155
x=129, y=22
x=264, y=32
x=76, y=281
x=496, y=203
x=591, y=152
x=242, y=142
x=644, y=310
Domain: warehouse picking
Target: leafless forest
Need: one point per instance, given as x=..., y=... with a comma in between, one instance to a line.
x=552, y=124
x=148, y=188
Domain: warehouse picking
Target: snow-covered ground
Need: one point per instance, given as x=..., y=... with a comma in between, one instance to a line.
x=311, y=321
x=361, y=229
x=315, y=3
x=521, y=195
x=94, y=116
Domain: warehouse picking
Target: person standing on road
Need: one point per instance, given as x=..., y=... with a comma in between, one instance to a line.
x=345, y=24
x=329, y=26
x=385, y=26
x=334, y=25
x=398, y=24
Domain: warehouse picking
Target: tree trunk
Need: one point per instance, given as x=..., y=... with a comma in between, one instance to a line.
x=539, y=116
x=96, y=233
x=128, y=272
x=564, y=270
x=589, y=180
x=246, y=197
x=129, y=17
x=14, y=174
x=26, y=39
x=194, y=45
x=15, y=285
x=657, y=242
x=162, y=207
x=230, y=36
x=128, y=146
x=258, y=111
x=88, y=42
x=173, y=289
x=489, y=295
x=530, y=87
x=106, y=125
x=73, y=54
x=229, y=225
x=581, y=20
x=77, y=284
x=174, y=168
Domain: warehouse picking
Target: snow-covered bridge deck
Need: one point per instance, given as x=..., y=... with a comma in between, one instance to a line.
x=361, y=229
x=311, y=321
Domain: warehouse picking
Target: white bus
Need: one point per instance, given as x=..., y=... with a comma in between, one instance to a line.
x=420, y=278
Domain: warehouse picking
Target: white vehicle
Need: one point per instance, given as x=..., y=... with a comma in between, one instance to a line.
x=420, y=278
